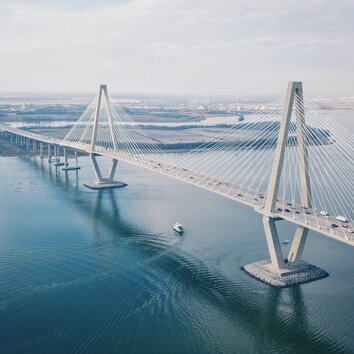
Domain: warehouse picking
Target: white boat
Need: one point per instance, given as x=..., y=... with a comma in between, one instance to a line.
x=178, y=227
x=285, y=242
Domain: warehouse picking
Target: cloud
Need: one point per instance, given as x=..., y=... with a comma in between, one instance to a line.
x=226, y=37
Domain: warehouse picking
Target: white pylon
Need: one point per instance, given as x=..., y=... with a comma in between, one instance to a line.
x=103, y=182
x=294, y=96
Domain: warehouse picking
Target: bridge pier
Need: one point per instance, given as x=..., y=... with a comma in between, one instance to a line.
x=280, y=271
x=297, y=246
x=66, y=164
x=274, y=246
x=104, y=182
x=278, y=263
x=65, y=157
x=49, y=153
x=58, y=163
x=289, y=271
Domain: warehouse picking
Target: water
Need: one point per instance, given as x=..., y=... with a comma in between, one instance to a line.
x=86, y=271
x=207, y=122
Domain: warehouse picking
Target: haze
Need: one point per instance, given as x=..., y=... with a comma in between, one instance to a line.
x=177, y=46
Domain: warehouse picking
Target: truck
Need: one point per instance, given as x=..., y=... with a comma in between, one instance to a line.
x=341, y=218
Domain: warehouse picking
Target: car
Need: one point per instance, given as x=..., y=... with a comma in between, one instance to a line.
x=345, y=226
x=280, y=209
x=333, y=226
x=239, y=195
x=325, y=228
x=297, y=212
x=287, y=210
x=307, y=212
x=289, y=204
x=351, y=231
x=260, y=196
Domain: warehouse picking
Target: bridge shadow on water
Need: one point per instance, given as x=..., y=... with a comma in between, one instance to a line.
x=275, y=318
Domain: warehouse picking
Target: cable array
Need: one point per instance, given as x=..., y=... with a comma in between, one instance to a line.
x=237, y=163
x=117, y=135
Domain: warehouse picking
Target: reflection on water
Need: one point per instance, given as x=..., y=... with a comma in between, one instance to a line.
x=86, y=271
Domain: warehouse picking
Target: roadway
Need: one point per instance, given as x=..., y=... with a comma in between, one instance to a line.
x=285, y=210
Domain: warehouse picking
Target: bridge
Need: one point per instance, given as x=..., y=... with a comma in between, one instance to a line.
x=290, y=162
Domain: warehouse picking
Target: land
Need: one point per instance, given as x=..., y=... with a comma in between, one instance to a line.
x=182, y=119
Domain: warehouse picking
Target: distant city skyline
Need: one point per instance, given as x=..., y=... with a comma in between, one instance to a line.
x=177, y=47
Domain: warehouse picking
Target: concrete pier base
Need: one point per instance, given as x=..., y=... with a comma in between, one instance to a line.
x=302, y=273
x=105, y=185
x=71, y=168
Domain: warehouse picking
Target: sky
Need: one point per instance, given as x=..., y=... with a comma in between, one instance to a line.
x=202, y=47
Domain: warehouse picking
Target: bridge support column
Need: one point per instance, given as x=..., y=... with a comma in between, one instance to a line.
x=41, y=149
x=49, y=153
x=297, y=246
x=280, y=264
x=65, y=157
x=76, y=160
x=274, y=246
x=66, y=164
x=57, y=156
x=104, y=182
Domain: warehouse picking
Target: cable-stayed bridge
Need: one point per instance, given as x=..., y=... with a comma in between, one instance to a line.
x=290, y=162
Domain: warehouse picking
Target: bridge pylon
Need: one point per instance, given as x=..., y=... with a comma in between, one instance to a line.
x=100, y=110
x=290, y=270
x=294, y=97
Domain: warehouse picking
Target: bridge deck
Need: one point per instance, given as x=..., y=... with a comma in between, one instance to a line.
x=296, y=214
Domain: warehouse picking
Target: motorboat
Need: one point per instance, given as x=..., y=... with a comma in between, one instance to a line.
x=178, y=227
x=285, y=242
